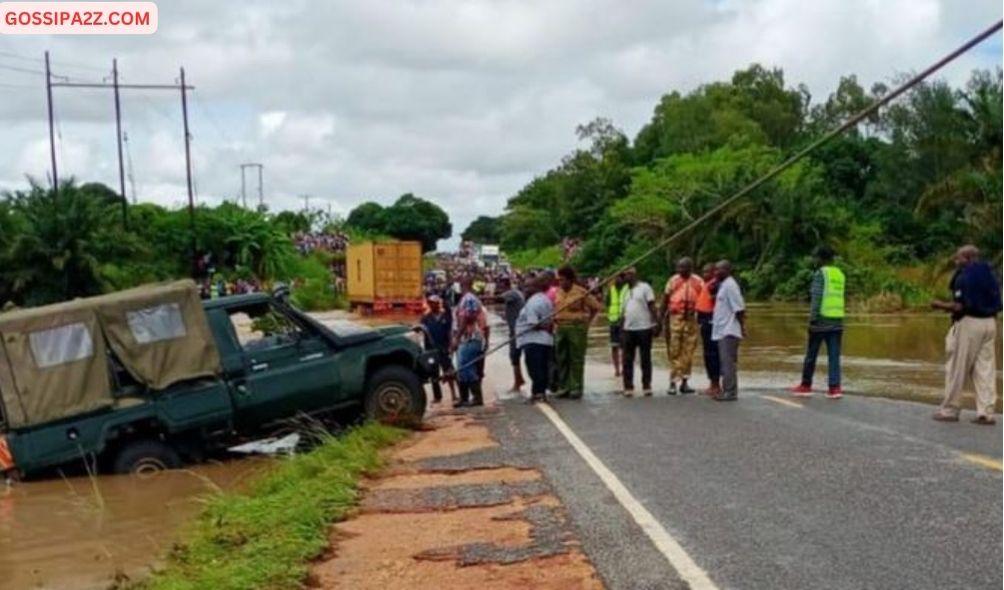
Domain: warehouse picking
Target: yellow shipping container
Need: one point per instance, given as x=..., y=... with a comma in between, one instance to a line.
x=384, y=272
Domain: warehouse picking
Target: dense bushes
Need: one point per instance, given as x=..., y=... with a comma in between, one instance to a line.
x=57, y=246
x=899, y=192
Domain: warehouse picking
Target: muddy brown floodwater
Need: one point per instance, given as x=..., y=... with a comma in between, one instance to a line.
x=898, y=355
x=77, y=533
x=69, y=535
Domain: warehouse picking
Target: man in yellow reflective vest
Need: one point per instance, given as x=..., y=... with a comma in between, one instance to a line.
x=826, y=324
x=614, y=296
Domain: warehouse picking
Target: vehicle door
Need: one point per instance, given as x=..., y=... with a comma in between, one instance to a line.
x=289, y=370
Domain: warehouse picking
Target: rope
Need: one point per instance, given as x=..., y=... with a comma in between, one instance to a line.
x=853, y=121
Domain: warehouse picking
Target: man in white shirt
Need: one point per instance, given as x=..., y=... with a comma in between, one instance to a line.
x=639, y=324
x=728, y=328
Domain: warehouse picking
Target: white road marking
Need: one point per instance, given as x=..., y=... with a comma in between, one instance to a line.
x=678, y=558
x=782, y=401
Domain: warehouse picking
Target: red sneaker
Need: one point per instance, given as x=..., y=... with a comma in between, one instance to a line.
x=835, y=392
x=801, y=390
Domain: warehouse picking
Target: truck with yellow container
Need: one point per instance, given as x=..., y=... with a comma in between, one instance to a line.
x=384, y=275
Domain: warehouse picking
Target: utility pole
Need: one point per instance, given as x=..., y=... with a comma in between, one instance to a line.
x=116, y=87
x=129, y=174
x=52, y=133
x=244, y=192
x=261, y=191
x=306, y=203
x=188, y=173
x=118, y=141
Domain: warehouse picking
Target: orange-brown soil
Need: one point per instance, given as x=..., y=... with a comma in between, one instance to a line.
x=489, y=546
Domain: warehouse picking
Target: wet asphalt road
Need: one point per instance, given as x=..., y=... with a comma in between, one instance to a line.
x=856, y=493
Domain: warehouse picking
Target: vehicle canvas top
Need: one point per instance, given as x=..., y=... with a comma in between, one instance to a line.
x=53, y=361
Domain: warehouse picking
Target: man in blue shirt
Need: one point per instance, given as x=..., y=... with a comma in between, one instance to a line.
x=437, y=326
x=970, y=344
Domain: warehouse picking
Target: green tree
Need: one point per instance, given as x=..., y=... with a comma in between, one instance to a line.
x=409, y=218
x=483, y=230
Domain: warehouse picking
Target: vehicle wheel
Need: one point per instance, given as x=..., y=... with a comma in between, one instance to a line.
x=394, y=395
x=145, y=458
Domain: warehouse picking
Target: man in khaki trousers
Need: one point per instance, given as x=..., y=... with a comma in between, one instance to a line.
x=970, y=344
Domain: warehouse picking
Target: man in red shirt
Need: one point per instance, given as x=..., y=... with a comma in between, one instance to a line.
x=682, y=292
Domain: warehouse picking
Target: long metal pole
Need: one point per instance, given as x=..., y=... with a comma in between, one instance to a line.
x=188, y=174
x=244, y=192
x=52, y=133
x=261, y=191
x=118, y=140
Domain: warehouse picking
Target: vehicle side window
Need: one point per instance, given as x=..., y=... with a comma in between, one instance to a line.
x=153, y=324
x=263, y=327
x=62, y=344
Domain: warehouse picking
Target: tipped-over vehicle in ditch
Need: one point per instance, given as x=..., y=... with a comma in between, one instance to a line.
x=149, y=378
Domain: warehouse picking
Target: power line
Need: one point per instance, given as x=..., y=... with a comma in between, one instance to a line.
x=212, y=119
x=22, y=70
x=792, y=160
x=66, y=64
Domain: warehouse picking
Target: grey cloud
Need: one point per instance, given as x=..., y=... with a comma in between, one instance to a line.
x=460, y=102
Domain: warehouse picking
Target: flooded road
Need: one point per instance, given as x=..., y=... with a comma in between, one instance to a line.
x=897, y=355
x=76, y=534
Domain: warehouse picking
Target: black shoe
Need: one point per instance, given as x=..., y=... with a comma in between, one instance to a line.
x=575, y=395
x=730, y=398
x=685, y=389
x=672, y=389
x=462, y=404
x=563, y=395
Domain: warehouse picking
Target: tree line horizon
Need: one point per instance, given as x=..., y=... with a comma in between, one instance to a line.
x=893, y=197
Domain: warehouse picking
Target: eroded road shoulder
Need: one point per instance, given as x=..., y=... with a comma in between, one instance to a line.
x=455, y=510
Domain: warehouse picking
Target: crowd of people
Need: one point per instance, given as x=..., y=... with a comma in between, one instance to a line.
x=548, y=317
x=307, y=242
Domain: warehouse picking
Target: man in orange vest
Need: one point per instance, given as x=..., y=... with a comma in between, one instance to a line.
x=682, y=292
x=705, y=308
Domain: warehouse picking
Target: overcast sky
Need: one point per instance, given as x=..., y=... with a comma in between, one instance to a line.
x=458, y=102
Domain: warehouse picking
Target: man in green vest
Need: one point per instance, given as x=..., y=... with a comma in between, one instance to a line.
x=614, y=296
x=826, y=324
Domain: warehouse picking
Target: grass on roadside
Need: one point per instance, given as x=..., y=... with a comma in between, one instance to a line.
x=265, y=536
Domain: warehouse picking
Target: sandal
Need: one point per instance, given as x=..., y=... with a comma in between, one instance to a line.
x=984, y=420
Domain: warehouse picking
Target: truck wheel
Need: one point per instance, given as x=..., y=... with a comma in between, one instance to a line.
x=394, y=395
x=145, y=458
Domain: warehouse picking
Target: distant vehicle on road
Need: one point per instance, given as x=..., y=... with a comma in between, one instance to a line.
x=150, y=378
x=385, y=275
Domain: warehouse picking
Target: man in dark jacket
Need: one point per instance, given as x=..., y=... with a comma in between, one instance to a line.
x=437, y=326
x=971, y=341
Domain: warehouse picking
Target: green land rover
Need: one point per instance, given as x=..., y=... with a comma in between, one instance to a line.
x=152, y=377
